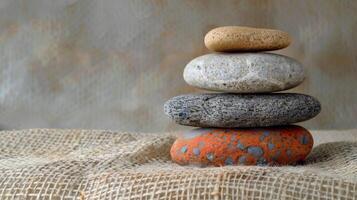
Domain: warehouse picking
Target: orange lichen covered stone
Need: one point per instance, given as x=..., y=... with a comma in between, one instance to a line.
x=259, y=146
x=239, y=38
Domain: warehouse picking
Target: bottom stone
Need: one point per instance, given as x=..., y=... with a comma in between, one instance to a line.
x=283, y=145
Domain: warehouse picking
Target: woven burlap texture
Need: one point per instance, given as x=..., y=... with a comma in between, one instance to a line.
x=89, y=164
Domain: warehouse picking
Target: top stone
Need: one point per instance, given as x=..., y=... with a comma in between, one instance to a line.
x=239, y=38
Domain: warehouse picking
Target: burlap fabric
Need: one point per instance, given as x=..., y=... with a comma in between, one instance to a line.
x=79, y=164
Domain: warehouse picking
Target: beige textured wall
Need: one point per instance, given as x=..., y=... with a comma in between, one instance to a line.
x=112, y=64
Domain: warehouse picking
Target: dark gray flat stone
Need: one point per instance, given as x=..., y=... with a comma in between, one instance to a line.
x=241, y=110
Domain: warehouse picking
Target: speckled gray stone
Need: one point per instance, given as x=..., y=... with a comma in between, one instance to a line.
x=241, y=110
x=244, y=72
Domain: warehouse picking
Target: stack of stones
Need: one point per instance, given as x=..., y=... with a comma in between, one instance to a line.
x=246, y=124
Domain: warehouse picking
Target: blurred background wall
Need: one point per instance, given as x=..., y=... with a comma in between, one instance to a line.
x=112, y=64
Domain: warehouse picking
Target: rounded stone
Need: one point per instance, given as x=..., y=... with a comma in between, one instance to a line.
x=244, y=72
x=239, y=38
x=259, y=146
x=241, y=110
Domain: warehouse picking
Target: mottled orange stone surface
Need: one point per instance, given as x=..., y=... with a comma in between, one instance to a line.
x=259, y=146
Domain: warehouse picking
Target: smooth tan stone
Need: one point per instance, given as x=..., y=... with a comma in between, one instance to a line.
x=239, y=38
